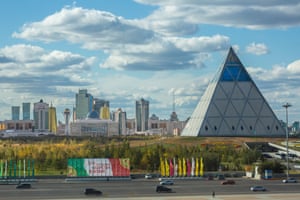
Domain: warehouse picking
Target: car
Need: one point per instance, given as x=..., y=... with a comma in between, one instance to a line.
x=23, y=186
x=132, y=176
x=257, y=188
x=148, y=176
x=92, y=191
x=228, y=182
x=289, y=180
x=166, y=182
x=161, y=188
x=220, y=177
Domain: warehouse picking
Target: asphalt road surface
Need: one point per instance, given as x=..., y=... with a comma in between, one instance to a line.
x=145, y=189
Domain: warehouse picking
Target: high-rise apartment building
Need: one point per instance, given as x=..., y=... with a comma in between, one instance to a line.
x=41, y=116
x=141, y=115
x=26, y=111
x=84, y=104
x=15, y=112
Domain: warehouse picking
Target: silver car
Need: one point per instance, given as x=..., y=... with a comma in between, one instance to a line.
x=257, y=188
x=166, y=182
x=289, y=180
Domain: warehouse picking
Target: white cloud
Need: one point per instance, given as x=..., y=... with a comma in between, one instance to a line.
x=257, y=48
x=128, y=43
x=181, y=17
x=30, y=71
x=294, y=67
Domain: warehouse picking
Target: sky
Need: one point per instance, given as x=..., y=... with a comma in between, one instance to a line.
x=163, y=51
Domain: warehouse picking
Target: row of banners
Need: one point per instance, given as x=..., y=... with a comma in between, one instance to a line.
x=185, y=167
x=85, y=167
x=16, y=169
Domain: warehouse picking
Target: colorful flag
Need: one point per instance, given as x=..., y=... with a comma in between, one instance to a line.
x=1, y=168
x=167, y=167
x=197, y=167
x=175, y=167
x=32, y=168
x=162, y=167
x=5, y=173
x=24, y=168
x=193, y=167
x=179, y=167
x=19, y=168
x=183, y=167
x=188, y=165
x=171, y=168
x=201, y=167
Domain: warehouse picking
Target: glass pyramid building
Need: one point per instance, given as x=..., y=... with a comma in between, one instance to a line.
x=232, y=105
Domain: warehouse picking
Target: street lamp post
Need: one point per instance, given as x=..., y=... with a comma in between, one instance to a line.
x=286, y=106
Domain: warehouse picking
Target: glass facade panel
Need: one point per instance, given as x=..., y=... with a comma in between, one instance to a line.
x=234, y=73
x=226, y=76
x=243, y=76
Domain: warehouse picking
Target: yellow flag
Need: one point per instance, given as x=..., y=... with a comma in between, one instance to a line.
x=184, y=166
x=167, y=167
x=197, y=167
x=201, y=167
x=162, y=167
x=179, y=167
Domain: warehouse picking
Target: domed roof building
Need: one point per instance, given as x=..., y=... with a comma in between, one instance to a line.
x=93, y=115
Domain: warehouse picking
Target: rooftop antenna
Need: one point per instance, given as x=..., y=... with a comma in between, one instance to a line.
x=173, y=101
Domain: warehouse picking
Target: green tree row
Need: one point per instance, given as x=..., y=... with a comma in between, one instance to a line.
x=53, y=155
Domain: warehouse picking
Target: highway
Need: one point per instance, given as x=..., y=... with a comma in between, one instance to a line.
x=145, y=189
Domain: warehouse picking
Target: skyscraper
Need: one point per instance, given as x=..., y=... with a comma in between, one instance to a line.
x=120, y=117
x=104, y=112
x=41, y=116
x=52, y=119
x=26, y=111
x=15, y=112
x=99, y=104
x=84, y=104
x=141, y=115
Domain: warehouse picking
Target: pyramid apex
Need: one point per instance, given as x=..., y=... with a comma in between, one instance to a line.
x=232, y=57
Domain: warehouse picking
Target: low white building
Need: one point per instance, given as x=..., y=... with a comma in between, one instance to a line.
x=94, y=127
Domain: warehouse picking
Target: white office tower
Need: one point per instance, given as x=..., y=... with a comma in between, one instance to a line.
x=67, y=121
x=120, y=117
x=41, y=116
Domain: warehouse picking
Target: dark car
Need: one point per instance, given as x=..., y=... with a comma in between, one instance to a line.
x=23, y=186
x=92, y=191
x=228, y=182
x=161, y=188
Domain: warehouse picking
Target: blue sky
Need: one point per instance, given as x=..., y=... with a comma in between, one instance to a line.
x=122, y=50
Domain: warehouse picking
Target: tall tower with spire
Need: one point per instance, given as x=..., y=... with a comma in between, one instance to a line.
x=173, y=116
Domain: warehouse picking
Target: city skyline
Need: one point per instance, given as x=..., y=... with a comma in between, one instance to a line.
x=126, y=50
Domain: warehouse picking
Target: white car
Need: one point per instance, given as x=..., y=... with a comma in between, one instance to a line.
x=166, y=182
x=148, y=176
x=289, y=180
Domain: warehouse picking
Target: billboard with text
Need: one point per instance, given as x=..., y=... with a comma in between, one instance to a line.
x=84, y=167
